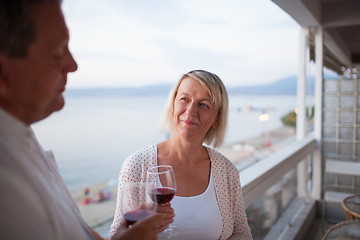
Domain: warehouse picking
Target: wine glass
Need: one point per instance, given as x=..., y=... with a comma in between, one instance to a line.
x=135, y=203
x=163, y=190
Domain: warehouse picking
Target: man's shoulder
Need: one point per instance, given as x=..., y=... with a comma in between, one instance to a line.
x=18, y=194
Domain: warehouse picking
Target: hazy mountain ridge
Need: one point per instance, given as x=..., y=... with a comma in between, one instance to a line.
x=156, y=89
x=286, y=86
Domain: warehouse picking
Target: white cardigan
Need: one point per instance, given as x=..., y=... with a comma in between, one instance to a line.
x=227, y=187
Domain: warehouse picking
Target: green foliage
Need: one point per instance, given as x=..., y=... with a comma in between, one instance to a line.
x=311, y=114
x=290, y=118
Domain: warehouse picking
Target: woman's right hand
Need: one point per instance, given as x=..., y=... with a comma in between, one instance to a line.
x=169, y=211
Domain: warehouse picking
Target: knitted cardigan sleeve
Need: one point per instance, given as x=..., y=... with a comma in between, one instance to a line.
x=229, y=196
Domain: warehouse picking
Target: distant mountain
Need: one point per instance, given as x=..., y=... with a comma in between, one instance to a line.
x=157, y=89
x=286, y=86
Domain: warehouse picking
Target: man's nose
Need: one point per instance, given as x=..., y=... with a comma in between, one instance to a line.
x=71, y=65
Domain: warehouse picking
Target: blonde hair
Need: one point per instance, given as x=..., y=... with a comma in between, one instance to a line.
x=219, y=97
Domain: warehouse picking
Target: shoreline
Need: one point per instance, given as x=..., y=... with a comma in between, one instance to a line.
x=241, y=153
x=251, y=150
x=97, y=213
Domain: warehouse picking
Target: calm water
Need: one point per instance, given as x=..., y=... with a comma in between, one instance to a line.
x=92, y=135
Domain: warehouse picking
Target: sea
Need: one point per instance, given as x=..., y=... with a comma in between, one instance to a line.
x=93, y=134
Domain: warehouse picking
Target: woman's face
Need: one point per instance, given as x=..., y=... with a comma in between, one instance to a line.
x=194, y=111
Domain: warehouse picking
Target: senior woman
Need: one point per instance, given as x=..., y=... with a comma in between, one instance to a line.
x=208, y=203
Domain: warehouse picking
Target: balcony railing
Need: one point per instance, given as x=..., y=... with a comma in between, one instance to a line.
x=259, y=177
x=273, y=185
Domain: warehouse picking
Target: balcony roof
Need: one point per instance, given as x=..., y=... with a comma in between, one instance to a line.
x=340, y=20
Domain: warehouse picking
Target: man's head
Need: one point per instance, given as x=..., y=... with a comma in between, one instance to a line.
x=34, y=58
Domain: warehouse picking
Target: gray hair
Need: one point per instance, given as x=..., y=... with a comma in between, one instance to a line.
x=17, y=30
x=219, y=97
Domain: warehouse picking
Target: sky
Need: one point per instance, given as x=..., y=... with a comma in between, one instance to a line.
x=144, y=42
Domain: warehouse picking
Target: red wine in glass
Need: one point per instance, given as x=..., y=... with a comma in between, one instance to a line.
x=136, y=215
x=134, y=201
x=162, y=195
x=163, y=177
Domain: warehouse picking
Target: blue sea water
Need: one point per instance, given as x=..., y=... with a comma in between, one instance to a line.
x=93, y=134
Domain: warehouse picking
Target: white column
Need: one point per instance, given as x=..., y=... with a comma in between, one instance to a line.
x=301, y=85
x=316, y=178
x=301, y=107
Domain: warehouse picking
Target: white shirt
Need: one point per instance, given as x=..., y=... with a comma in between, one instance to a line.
x=198, y=217
x=34, y=202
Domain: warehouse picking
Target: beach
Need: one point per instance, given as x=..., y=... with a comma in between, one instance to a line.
x=243, y=153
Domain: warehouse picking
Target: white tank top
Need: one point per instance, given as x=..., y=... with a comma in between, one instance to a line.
x=198, y=217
